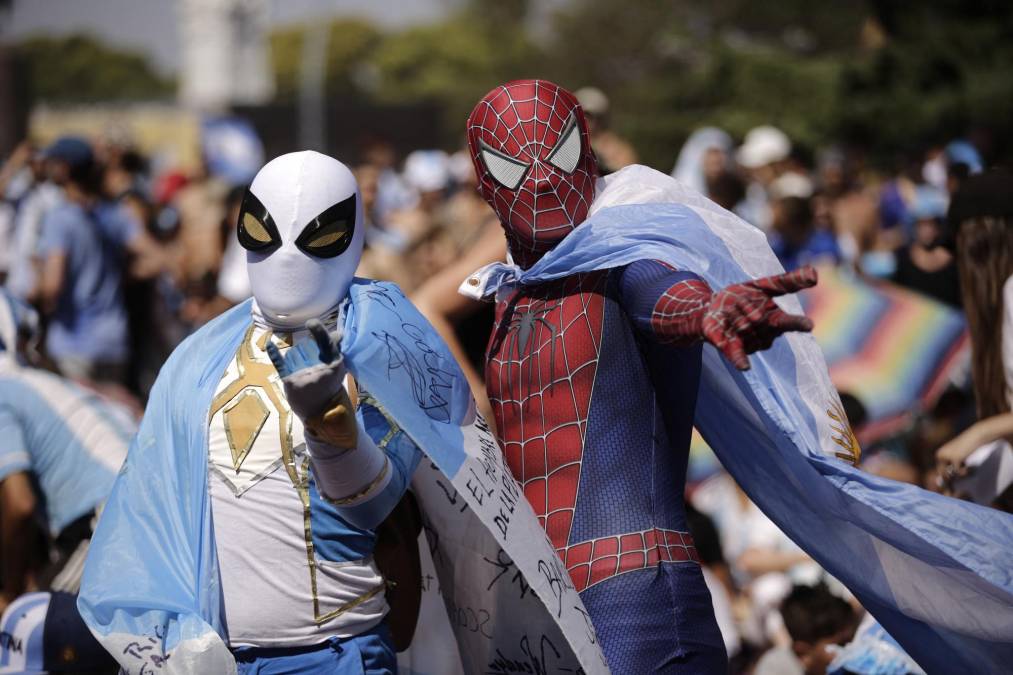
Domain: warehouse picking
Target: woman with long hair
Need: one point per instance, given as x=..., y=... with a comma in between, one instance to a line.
x=981, y=229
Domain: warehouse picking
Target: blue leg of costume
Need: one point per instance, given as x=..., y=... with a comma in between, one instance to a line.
x=369, y=653
x=668, y=608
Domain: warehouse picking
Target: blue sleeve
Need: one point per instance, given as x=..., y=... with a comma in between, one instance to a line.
x=402, y=454
x=642, y=284
x=120, y=227
x=14, y=455
x=54, y=234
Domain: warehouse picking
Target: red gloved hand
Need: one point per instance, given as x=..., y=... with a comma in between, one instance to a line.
x=743, y=318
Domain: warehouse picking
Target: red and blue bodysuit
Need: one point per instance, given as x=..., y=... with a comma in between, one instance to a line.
x=593, y=381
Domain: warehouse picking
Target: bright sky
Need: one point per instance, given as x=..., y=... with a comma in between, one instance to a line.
x=151, y=25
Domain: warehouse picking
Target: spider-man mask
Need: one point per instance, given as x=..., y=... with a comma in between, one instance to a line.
x=534, y=163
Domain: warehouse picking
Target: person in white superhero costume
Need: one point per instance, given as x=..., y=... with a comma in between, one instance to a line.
x=297, y=488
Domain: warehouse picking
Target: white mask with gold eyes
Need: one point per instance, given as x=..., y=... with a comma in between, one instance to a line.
x=301, y=225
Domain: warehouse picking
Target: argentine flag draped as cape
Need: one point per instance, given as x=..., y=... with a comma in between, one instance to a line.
x=151, y=591
x=936, y=572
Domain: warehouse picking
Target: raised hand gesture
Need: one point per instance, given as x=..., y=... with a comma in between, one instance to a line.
x=313, y=374
x=743, y=318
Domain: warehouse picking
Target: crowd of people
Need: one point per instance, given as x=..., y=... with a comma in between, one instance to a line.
x=122, y=261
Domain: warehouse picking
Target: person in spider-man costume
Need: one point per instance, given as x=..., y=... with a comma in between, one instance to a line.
x=593, y=381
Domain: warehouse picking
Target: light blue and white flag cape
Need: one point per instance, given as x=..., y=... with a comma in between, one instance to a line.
x=936, y=572
x=151, y=592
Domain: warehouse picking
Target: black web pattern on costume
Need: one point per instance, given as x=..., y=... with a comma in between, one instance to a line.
x=542, y=393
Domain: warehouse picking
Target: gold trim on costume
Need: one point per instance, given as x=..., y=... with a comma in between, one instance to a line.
x=353, y=603
x=344, y=501
x=243, y=419
x=311, y=559
x=392, y=427
x=263, y=378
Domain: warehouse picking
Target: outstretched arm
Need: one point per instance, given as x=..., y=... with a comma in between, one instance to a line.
x=680, y=308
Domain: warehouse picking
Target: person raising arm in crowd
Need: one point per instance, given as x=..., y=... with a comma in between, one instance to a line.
x=81, y=253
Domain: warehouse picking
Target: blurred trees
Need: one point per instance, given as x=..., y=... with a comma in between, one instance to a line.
x=942, y=69
x=80, y=68
x=887, y=75
x=349, y=44
x=881, y=74
x=452, y=62
x=672, y=67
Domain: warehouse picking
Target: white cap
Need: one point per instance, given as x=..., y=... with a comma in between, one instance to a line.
x=763, y=145
x=592, y=100
x=427, y=170
x=461, y=167
x=792, y=184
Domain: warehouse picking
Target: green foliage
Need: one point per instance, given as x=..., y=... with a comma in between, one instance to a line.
x=732, y=89
x=663, y=76
x=801, y=25
x=78, y=68
x=942, y=72
x=888, y=75
x=349, y=44
x=613, y=45
x=670, y=68
x=455, y=63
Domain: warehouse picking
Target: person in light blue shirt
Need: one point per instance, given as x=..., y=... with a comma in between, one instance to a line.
x=62, y=449
x=83, y=248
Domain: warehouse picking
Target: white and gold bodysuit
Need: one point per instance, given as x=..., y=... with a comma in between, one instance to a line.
x=278, y=589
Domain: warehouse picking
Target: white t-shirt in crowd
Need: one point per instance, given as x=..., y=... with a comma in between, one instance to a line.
x=233, y=278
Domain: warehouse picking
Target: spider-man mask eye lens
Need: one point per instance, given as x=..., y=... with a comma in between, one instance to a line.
x=505, y=170
x=566, y=154
x=329, y=234
x=256, y=230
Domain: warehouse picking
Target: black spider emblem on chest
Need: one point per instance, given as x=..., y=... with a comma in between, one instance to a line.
x=523, y=332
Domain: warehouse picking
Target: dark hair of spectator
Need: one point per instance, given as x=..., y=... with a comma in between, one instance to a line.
x=980, y=224
x=87, y=176
x=726, y=189
x=705, y=536
x=985, y=261
x=798, y=213
x=235, y=195
x=134, y=162
x=854, y=409
x=813, y=613
x=959, y=172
